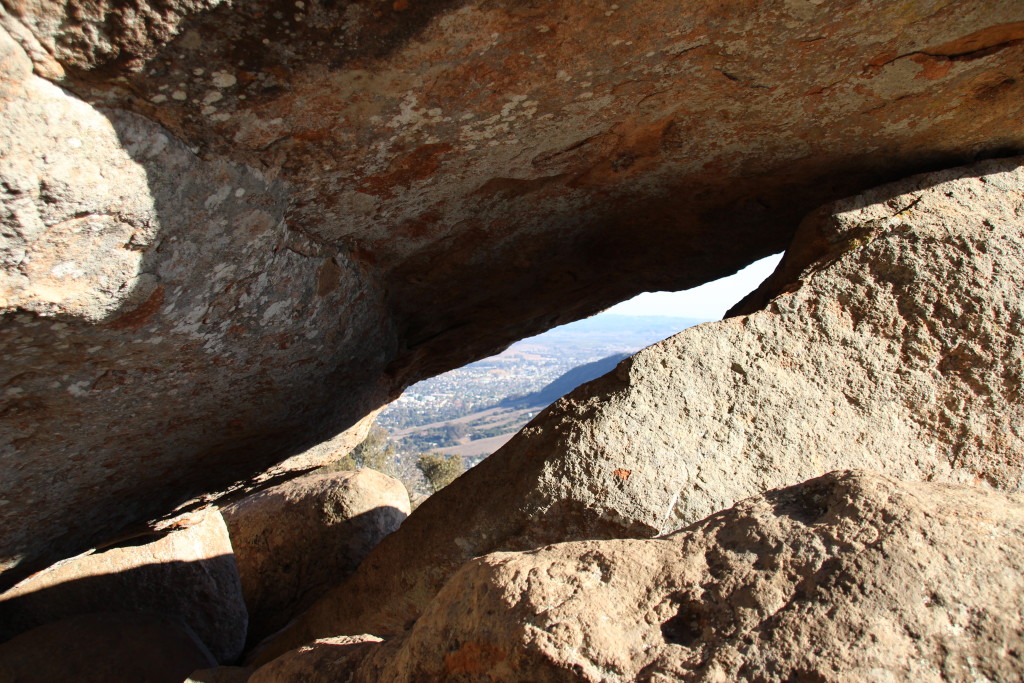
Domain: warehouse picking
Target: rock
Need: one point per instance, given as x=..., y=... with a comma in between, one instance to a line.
x=189, y=574
x=220, y=674
x=851, y=576
x=295, y=540
x=231, y=230
x=100, y=648
x=326, y=660
x=898, y=350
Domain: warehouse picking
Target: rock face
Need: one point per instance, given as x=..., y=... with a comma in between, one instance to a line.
x=230, y=230
x=188, y=575
x=898, y=349
x=99, y=648
x=295, y=540
x=850, y=576
x=327, y=660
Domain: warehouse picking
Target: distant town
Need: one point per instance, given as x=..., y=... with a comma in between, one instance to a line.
x=472, y=411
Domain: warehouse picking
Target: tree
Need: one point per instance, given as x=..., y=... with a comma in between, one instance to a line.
x=376, y=451
x=439, y=470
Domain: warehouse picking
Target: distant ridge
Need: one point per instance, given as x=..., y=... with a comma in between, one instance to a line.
x=565, y=383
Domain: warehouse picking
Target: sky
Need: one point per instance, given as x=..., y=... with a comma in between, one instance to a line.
x=709, y=301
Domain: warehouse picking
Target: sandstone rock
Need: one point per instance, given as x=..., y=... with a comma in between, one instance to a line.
x=297, y=539
x=326, y=660
x=898, y=351
x=189, y=574
x=230, y=230
x=848, y=577
x=100, y=648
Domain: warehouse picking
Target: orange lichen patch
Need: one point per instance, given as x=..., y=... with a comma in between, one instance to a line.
x=473, y=658
x=133, y=320
x=420, y=164
x=622, y=474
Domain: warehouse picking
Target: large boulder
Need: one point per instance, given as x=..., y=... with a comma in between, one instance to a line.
x=230, y=230
x=897, y=348
x=295, y=540
x=189, y=575
x=100, y=648
x=848, y=577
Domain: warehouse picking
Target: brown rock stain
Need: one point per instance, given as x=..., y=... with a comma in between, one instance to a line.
x=516, y=187
x=932, y=68
x=328, y=277
x=980, y=43
x=420, y=226
x=133, y=320
x=473, y=658
x=419, y=164
x=638, y=149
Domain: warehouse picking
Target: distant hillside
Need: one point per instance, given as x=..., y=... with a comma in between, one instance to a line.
x=565, y=383
x=632, y=331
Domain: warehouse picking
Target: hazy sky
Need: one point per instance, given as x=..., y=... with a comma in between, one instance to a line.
x=707, y=302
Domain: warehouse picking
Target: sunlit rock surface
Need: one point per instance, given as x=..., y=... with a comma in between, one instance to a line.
x=851, y=576
x=229, y=231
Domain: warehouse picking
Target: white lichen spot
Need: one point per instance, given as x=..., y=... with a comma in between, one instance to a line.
x=198, y=72
x=213, y=96
x=74, y=143
x=209, y=111
x=266, y=41
x=158, y=99
x=222, y=79
x=79, y=388
x=240, y=192
x=300, y=4
x=221, y=117
x=67, y=269
x=273, y=310
x=543, y=28
x=179, y=95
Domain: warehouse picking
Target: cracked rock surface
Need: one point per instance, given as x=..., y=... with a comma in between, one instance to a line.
x=231, y=230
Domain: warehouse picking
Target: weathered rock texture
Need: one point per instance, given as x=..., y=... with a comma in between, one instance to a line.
x=100, y=648
x=189, y=575
x=851, y=576
x=899, y=351
x=230, y=230
x=326, y=660
x=294, y=541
